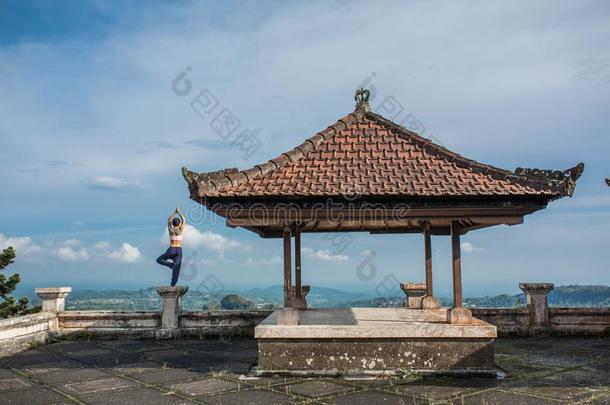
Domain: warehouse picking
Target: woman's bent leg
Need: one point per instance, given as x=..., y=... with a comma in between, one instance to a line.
x=164, y=259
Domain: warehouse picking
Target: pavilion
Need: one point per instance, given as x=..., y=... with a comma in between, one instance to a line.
x=367, y=174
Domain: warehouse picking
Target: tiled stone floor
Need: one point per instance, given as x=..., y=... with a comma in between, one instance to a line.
x=540, y=371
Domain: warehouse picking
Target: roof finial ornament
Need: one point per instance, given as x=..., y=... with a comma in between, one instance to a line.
x=362, y=99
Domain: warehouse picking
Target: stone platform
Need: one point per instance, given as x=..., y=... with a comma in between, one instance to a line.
x=374, y=341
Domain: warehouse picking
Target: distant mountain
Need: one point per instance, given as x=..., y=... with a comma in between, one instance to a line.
x=147, y=299
x=562, y=296
x=580, y=295
x=318, y=297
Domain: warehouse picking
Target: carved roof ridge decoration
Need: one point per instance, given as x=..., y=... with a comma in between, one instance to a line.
x=371, y=155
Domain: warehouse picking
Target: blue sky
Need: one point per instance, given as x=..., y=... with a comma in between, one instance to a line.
x=93, y=138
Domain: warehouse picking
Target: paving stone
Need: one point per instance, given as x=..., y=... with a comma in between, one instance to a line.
x=558, y=359
x=582, y=377
x=87, y=353
x=167, y=376
x=266, y=381
x=13, y=384
x=6, y=373
x=317, y=388
x=561, y=393
x=203, y=362
x=518, y=367
x=31, y=396
x=139, y=396
x=499, y=397
x=375, y=397
x=370, y=382
x=68, y=345
x=93, y=386
x=436, y=391
x=72, y=375
x=251, y=397
x=50, y=367
x=242, y=355
x=208, y=386
x=112, y=359
x=143, y=346
x=30, y=357
x=602, y=399
x=166, y=354
x=237, y=368
x=136, y=368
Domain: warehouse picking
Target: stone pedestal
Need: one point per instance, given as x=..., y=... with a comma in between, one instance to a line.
x=300, y=303
x=415, y=293
x=53, y=298
x=536, y=295
x=170, y=315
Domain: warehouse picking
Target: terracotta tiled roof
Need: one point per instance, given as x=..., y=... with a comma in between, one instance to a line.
x=366, y=154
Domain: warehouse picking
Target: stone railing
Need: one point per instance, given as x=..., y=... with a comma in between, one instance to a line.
x=54, y=322
x=537, y=318
x=21, y=333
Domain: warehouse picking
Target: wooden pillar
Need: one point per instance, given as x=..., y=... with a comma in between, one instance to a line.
x=287, y=268
x=428, y=302
x=457, y=264
x=457, y=314
x=297, y=261
x=428, y=255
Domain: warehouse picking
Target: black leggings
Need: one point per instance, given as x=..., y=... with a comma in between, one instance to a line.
x=172, y=258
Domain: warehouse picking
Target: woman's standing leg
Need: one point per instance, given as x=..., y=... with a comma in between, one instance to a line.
x=176, y=267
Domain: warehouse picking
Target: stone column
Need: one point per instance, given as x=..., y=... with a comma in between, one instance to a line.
x=536, y=295
x=53, y=298
x=170, y=315
x=415, y=292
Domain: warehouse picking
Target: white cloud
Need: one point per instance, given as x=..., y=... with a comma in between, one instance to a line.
x=324, y=255
x=102, y=245
x=194, y=239
x=70, y=242
x=70, y=254
x=24, y=245
x=109, y=183
x=125, y=254
x=251, y=261
x=468, y=247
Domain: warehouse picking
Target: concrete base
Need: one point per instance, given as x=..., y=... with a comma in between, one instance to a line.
x=164, y=333
x=374, y=340
x=300, y=302
x=375, y=356
x=459, y=316
x=429, y=302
